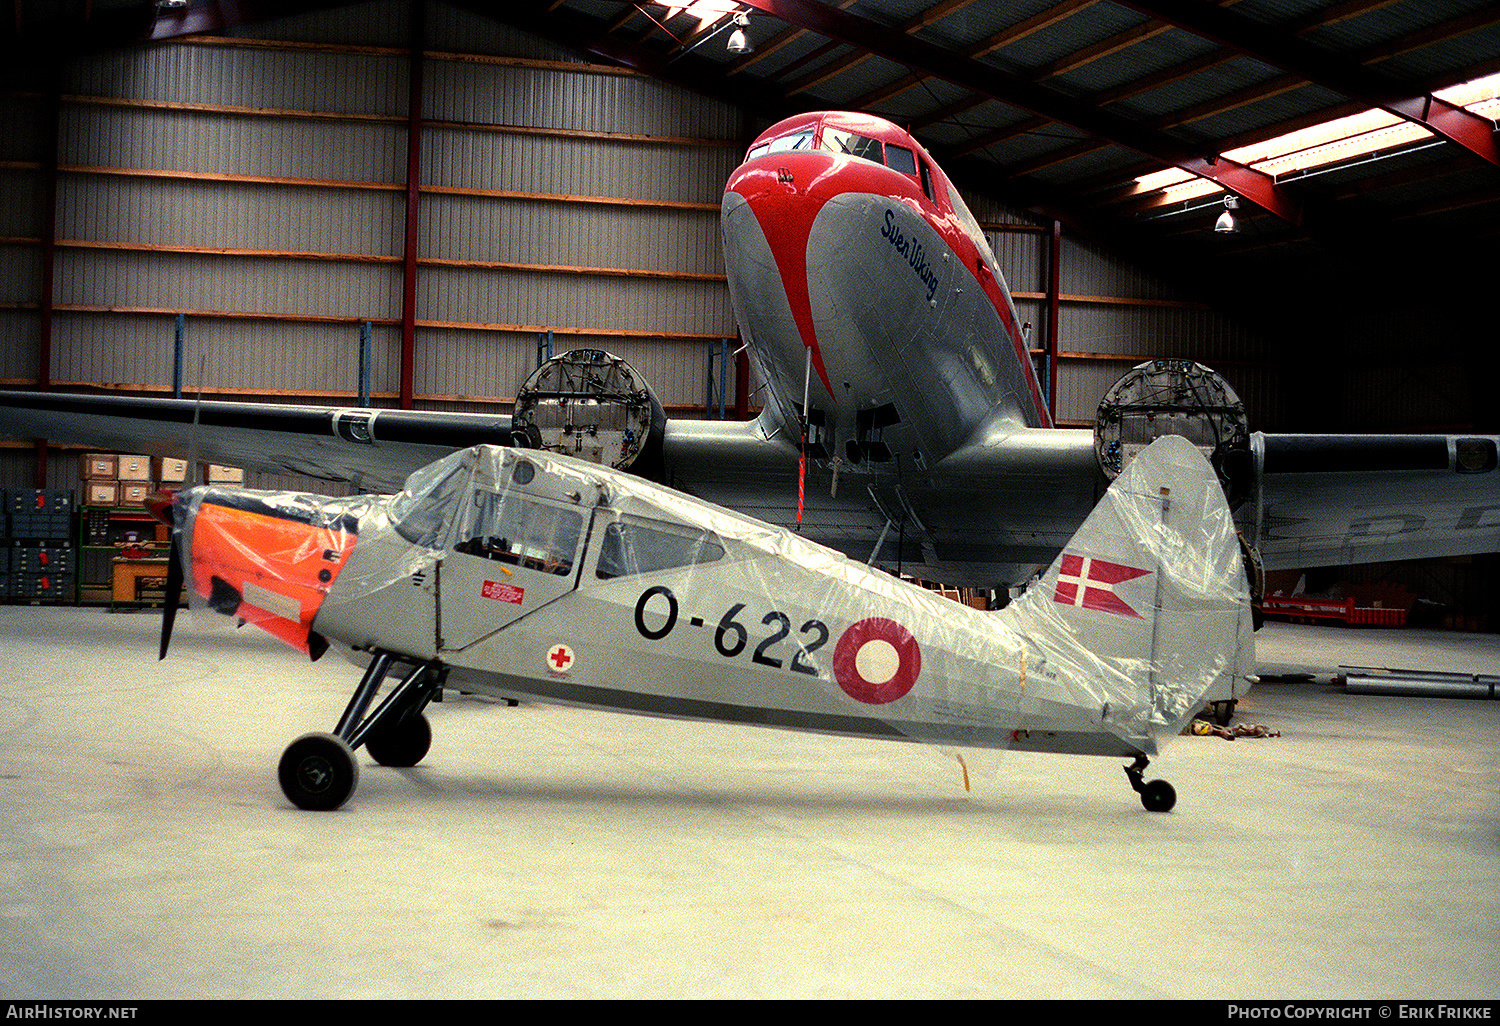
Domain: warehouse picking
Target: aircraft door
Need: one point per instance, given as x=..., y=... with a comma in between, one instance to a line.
x=513, y=554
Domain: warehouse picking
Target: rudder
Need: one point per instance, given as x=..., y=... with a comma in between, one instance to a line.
x=1147, y=607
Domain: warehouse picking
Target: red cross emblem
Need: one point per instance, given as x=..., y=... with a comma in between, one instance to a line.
x=559, y=658
x=1090, y=583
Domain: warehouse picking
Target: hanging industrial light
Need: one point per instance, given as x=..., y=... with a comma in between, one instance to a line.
x=738, y=41
x=1227, y=222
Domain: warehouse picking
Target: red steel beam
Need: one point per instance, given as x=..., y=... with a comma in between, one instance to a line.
x=936, y=62
x=413, y=203
x=1054, y=300
x=1330, y=70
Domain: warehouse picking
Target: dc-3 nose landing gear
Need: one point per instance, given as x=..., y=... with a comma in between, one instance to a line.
x=319, y=771
x=1156, y=795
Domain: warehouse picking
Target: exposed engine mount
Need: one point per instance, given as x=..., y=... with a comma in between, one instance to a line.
x=1175, y=397
x=594, y=406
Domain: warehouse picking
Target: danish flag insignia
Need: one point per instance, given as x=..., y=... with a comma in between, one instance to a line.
x=1090, y=583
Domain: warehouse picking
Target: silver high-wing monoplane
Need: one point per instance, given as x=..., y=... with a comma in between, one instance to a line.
x=529, y=575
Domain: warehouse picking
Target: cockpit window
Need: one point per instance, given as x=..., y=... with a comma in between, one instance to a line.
x=802, y=140
x=854, y=145
x=635, y=545
x=511, y=528
x=423, y=508
x=757, y=151
x=899, y=158
x=927, y=182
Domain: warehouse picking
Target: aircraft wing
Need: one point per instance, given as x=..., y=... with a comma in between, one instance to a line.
x=1327, y=500
x=373, y=449
x=994, y=511
x=991, y=511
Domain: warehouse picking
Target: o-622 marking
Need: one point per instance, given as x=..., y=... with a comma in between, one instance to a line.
x=732, y=637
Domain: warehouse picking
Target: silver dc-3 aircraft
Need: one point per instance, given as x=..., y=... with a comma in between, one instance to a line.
x=535, y=576
x=903, y=420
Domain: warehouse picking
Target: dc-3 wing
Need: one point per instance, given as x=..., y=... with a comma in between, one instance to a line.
x=373, y=449
x=992, y=511
x=1328, y=500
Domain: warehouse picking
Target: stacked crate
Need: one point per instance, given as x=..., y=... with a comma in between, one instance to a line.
x=111, y=480
x=123, y=482
x=38, y=561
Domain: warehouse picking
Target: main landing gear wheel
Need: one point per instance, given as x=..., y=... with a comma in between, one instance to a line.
x=1156, y=795
x=404, y=743
x=318, y=772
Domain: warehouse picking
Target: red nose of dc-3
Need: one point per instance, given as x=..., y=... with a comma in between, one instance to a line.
x=784, y=192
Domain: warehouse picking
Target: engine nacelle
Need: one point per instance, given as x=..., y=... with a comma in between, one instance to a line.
x=1175, y=397
x=593, y=406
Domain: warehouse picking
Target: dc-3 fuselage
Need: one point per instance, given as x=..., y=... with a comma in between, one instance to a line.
x=539, y=577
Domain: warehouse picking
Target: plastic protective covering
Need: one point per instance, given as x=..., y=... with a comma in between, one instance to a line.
x=1148, y=607
x=267, y=558
x=539, y=576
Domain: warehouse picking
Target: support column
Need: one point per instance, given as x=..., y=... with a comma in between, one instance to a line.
x=741, y=379
x=1054, y=302
x=52, y=117
x=413, y=201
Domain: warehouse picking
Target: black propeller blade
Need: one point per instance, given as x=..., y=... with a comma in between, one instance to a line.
x=163, y=506
x=172, y=597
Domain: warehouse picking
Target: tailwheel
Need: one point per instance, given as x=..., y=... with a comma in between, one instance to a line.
x=1156, y=795
x=403, y=743
x=318, y=772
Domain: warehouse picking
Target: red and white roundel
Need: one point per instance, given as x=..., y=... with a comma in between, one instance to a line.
x=559, y=659
x=876, y=661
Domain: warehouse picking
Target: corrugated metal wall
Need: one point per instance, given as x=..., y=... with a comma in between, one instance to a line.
x=292, y=157
x=260, y=186
x=1114, y=314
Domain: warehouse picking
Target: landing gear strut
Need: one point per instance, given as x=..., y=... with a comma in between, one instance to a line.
x=1156, y=795
x=319, y=771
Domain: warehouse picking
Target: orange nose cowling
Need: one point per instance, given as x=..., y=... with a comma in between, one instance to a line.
x=268, y=563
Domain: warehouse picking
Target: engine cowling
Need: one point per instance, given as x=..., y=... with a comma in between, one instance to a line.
x=594, y=406
x=1176, y=397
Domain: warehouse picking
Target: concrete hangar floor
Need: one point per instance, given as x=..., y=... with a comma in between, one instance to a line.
x=543, y=852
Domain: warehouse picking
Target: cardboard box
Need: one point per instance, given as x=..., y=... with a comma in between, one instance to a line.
x=103, y=493
x=169, y=471
x=225, y=475
x=100, y=466
x=134, y=494
x=135, y=468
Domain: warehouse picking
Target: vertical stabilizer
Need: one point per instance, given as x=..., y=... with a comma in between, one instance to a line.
x=1147, y=607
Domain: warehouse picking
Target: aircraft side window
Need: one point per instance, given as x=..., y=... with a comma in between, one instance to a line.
x=756, y=151
x=854, y=145
x=927, y=181
x=510, y=529
x=796, y=141
x=635, y=545
x=899, y=158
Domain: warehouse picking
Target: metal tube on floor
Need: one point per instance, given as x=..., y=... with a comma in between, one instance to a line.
x=1419, y=683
